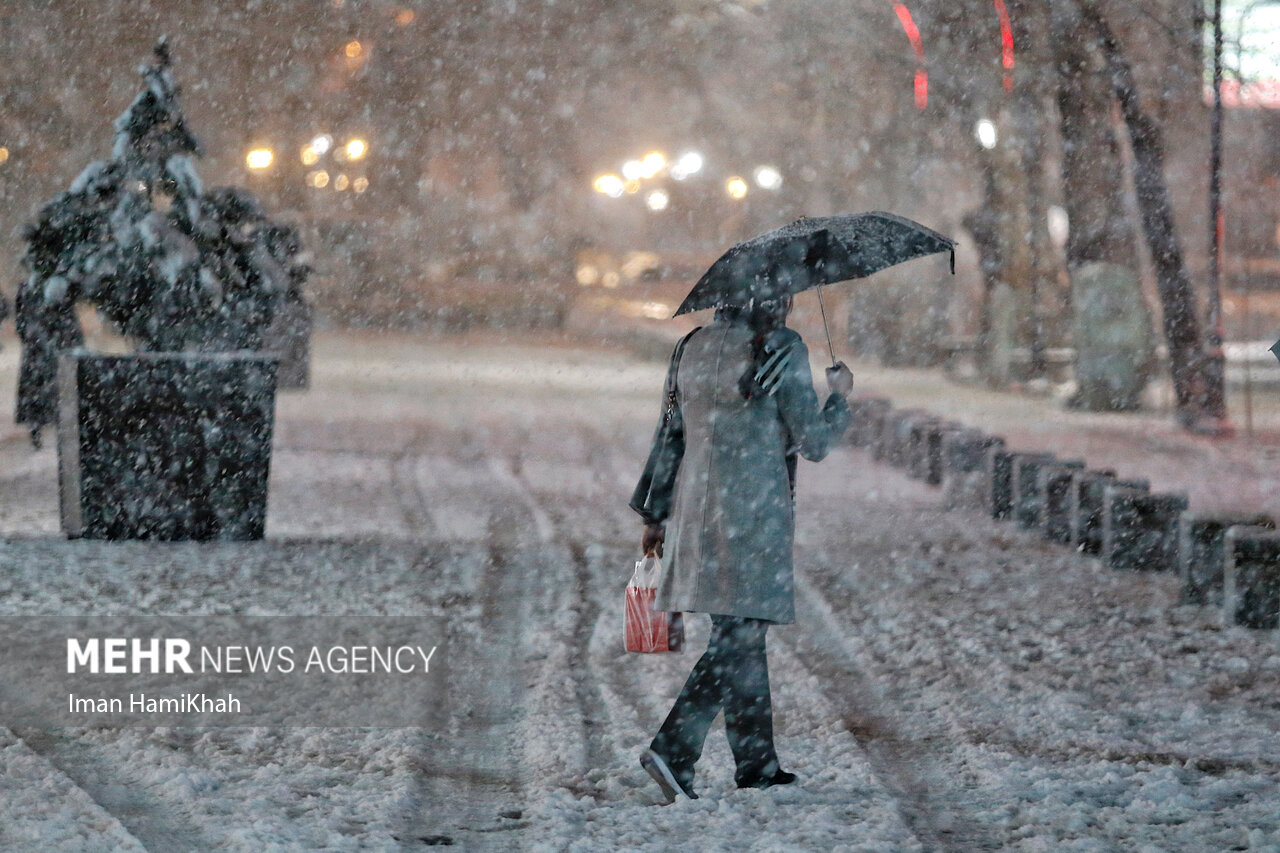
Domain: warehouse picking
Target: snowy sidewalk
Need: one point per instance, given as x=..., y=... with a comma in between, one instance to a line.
x=952, y=683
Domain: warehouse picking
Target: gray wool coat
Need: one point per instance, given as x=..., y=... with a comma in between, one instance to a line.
x=729, y=536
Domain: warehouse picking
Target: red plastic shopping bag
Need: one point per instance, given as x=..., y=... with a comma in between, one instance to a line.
x=650, y=630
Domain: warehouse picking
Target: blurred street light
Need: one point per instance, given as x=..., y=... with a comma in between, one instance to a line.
x=341, y=183
x=1059, y=226
x=986, y=133
x=653, y=163
x=657, y=200
x=4, y=154
x=259, y=158
x=318, y=179
x=610, y=185
x=360, y=184
x=353, y=49
x=633, y=170
x=688, y=163
x=322, y=143
x=309, y=155
x=736, y=188
x=768, y=178
x=356, y=148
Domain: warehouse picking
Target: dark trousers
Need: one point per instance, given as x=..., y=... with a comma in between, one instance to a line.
x=732, y=675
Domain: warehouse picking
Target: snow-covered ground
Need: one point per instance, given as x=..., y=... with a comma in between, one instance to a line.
x=951, y=684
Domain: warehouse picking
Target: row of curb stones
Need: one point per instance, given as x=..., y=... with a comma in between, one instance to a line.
x=1225, y=559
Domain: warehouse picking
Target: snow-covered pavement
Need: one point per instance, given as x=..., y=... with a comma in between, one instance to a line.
x=952, y=683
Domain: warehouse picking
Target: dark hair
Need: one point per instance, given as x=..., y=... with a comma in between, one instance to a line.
x=762, y=317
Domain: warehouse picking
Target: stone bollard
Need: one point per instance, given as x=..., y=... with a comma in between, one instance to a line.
x=1054, y=486
x=868, y=415
x=915, y=452
x=1001, y=467
x=1251, y=577
x=895, y=434
x=933, y=461
x=924, y=454
x=1028, y=492
x=964, y=479
x=997, y=494
x=1085, y=498
x=886, y=432
x=1201, y=551
x=1139, y=529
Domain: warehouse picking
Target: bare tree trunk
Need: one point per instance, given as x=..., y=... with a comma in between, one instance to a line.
x=1198, y=393
x=1092, y=174
x=1032, y=110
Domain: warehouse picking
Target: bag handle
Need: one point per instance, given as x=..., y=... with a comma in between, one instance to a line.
x=647, y=573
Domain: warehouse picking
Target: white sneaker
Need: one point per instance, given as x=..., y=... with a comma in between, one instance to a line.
x=657, y=768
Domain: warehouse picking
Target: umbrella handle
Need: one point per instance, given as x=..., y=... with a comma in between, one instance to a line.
x=827, y=329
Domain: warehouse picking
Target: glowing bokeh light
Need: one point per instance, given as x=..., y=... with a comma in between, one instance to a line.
x=736, y=188
x=259, y=158
x=768, y=178
x=354, y=49
x=653, y=163
x=610, y=185
x=356, y=148
x=688, y=163
x=360, y=184
x=986, y=133
x=657, y=200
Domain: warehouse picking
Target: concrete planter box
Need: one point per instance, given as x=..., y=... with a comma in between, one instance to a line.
x=170, y=446
x=289, y=339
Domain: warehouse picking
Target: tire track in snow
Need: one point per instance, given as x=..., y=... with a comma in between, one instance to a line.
x=553, y=522
x=124, y=791
x=31, y=778
x=468, y=781
x=824, y=648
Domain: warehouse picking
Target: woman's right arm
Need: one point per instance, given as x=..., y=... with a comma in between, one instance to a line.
x=813, y=429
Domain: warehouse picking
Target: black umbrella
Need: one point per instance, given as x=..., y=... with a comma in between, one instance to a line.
x=811, y=252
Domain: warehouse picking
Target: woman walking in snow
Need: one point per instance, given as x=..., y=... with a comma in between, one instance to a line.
x=742, y=406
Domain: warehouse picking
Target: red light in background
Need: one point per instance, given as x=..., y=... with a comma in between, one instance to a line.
x=1006, y=44
x=917, y=45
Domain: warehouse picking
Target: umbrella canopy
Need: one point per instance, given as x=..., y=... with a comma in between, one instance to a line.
x=812, y=252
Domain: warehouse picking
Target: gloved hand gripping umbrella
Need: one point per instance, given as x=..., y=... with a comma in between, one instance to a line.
x=810, y=253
